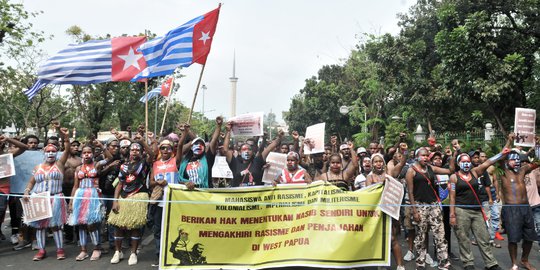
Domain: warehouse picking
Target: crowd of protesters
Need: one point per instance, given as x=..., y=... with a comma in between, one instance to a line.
x=102, y=189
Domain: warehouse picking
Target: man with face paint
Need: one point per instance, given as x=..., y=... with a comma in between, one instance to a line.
x=293, y=173
x=196, y=162
x=426, y=207
x=85, y=207
x=48, y=177
x=129, y=211
x=516, y=212
x=379, y=174
x=466, y=212
x=71, y=164
x=18, y=149
x=247, y=168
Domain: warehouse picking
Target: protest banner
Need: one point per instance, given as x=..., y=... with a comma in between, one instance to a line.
x=391, y=197
x=250, y=124
x=7, y=166
x=314, y=139
x=316, y=225
x=37, y=207
x=221, y=168
x=277, y=163
x=525, y=127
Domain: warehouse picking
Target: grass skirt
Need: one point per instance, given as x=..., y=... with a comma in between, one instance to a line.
x=59, y=214
x=132, y=214
x=86, y=207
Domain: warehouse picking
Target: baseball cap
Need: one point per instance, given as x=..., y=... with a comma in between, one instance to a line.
x=361, y=150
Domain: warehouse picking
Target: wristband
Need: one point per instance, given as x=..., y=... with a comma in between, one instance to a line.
x=496, y=157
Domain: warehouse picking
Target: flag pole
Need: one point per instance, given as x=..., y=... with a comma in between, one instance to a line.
x=195, y=96
x=146, y=109
x=167, y=107
x=155, y=117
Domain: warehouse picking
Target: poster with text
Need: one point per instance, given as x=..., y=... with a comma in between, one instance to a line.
x=7, y=166
x=277, y=163
x=250, y=124
x=37, y=207
x=316, y=225
x=221, y=168
x=392, y=197
x=525, y=127
x=314, y=139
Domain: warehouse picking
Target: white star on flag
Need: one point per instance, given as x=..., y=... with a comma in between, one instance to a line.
x=131, y=59
x=205, y=36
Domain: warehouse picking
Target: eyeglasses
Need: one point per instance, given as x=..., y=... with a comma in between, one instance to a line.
x=124, y=147
x=165, y=148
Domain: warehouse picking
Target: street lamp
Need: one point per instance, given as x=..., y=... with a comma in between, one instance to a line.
x=203, y=91
x=344, y=110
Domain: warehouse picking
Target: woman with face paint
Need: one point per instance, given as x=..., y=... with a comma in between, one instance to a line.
x=196, y=161
x=338, y=177
x=85, y=207
x=247, y=168
x=466, y=213
x=129, y=211
x=48, y=177
x=378, y=175
x=293, y=173
x=426, y=207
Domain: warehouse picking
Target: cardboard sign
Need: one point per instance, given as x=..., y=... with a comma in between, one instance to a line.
x=7, y=166
x=525, y=127
x=221, y=168
x=277, y=163
x=250, y=124
x=391, y=197
x=314, y=140
x=38, y=207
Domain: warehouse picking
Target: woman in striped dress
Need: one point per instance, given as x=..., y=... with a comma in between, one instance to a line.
x=86, y=205
x=48, y=177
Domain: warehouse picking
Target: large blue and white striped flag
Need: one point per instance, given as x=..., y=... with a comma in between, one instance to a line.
x=180, y=47
x=153, y=93
x=94, y=61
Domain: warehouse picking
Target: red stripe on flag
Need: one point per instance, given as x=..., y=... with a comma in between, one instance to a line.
x=203, y=34
x=126, y=60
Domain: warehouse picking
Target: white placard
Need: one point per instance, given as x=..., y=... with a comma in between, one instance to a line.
x=314, y=140
x=277, y=163
x=250, y=124
x=525, y=127
x=37, y=207
x=7, y=166
x=391, y=197
x=221, y=168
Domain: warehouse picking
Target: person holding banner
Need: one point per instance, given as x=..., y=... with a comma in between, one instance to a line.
x=48, y=177
x=86, y=206
x=247, y=168
x=379, y=174
x=293, y=173
x=516, y=211
x=426, y=207
x=196, y=161
x=129, y=210
x=466, y=212
x=338, y=177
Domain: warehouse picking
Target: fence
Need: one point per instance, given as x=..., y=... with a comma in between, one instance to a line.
x=474, y=139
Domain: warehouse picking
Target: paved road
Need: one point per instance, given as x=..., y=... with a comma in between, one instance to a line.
x=20, y=260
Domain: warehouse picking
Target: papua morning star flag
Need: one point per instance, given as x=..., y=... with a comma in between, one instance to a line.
x=180, y=47
x=152, y=94
x=163, y=90
x=94, y=61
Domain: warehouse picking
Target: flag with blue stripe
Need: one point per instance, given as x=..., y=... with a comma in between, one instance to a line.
x=190, y=43
x=153, y=93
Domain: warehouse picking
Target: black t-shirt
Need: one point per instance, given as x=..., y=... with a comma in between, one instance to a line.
x=483, y=181
x=106, y=180
x=254, y=171
x=465, y=195
x=424, y=190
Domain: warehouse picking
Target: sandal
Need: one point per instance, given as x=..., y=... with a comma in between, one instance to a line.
x=83, y=255
x=96, y=254
x=497, y=245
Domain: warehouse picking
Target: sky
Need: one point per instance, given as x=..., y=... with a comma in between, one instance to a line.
x=277, y=44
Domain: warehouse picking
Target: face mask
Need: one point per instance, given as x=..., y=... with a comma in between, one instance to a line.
x=465, y=166
x=197, y=149
x=244, y=155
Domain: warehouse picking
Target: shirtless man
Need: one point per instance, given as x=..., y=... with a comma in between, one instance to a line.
x=516, y=212
x=69, y=177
